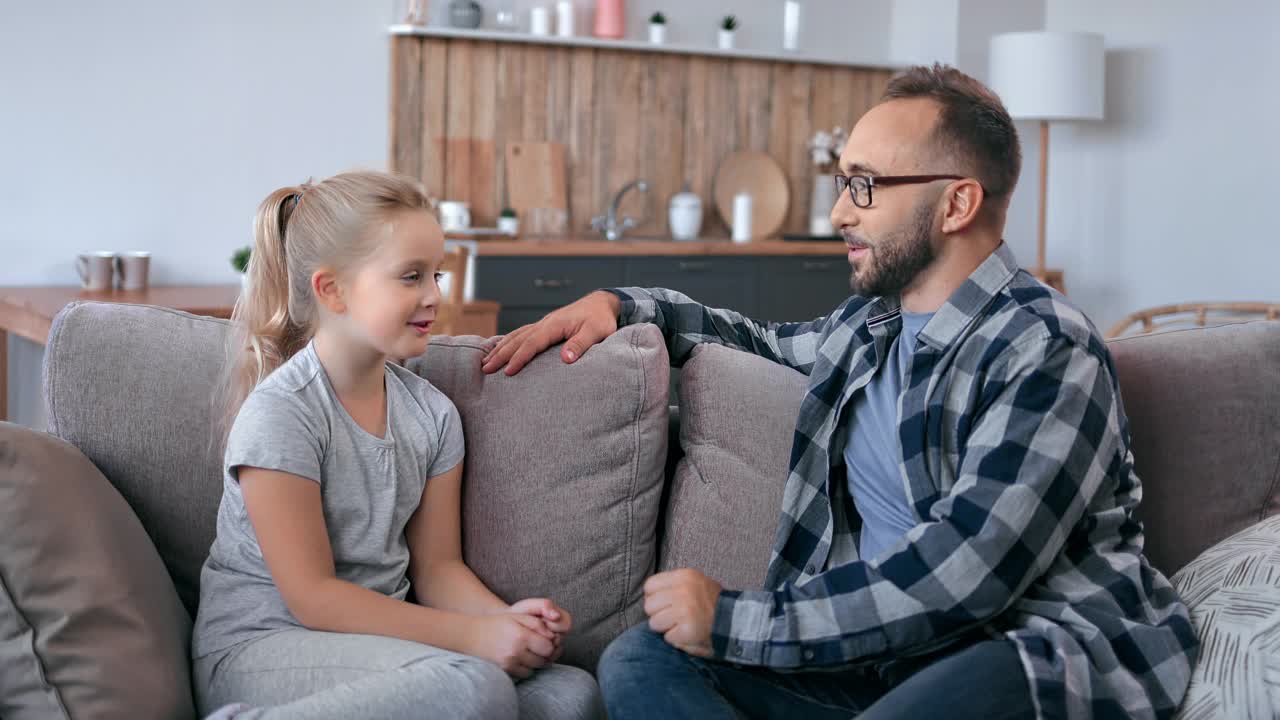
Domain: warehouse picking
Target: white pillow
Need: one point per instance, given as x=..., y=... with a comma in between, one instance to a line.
x=1233, y=591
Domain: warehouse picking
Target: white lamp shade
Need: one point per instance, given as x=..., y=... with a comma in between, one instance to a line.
x=1049, y=75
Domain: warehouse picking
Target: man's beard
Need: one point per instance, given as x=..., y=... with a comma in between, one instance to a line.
x=895, y=261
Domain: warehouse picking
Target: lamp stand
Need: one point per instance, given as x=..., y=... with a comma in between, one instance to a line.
x=1052, y=278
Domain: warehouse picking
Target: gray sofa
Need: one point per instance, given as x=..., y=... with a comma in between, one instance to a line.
x=579, y=483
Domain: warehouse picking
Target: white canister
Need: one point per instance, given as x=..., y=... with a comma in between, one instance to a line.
x=742, y=218
x=685, y=215
x=564, y=18
x=539, y=21
x=791, y=25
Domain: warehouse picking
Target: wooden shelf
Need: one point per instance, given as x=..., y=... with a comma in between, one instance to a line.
x=638, y=45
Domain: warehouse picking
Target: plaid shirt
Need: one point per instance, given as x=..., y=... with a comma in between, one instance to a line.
x=1016, y=464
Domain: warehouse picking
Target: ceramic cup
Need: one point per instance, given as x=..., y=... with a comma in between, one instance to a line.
x=97, y=270
x=133, y=268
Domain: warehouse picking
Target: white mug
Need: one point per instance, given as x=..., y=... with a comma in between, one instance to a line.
x=132, y=269
x=454, y=215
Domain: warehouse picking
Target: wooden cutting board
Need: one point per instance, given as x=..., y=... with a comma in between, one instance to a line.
x=760, y=176
x=536, y=177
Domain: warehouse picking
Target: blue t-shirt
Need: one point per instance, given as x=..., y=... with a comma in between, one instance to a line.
x=873, y=453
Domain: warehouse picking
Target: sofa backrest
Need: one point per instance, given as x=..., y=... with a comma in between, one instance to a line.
x=1204, y=414
x=564, y=472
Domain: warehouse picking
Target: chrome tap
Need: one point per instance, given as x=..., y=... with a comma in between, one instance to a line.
x=608, y=224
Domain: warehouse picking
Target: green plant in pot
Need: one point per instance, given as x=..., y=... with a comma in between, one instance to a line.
x=728, y=28
x=240, y=262
x=508, y=222
x=657, y=28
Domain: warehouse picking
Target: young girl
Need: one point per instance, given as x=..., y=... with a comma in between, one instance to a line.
x=342, y=490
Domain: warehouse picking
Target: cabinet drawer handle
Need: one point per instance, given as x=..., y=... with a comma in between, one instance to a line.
x=551, y=284
x=815, y=265
x=692, y=266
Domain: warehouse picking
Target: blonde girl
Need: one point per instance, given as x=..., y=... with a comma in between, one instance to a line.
x=342, y=490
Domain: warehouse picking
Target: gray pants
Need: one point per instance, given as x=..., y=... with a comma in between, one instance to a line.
x=309, y=674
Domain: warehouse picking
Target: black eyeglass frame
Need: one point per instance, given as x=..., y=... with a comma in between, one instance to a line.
x=870, y=181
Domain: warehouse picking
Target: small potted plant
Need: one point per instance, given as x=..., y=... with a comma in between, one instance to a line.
x=657, y=28
x=727, y=27
x=240, y=262
x=508, y=223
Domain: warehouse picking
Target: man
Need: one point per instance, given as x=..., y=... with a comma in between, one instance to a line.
x=957, y=537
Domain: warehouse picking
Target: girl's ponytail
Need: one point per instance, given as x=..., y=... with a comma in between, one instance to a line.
x=265, y=331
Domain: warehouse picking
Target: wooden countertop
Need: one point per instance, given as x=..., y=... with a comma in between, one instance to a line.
x=593, y=246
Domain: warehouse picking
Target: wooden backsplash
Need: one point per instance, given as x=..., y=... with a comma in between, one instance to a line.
x=621, y=115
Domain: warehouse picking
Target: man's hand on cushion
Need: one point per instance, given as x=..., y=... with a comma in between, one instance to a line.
x=579, y=325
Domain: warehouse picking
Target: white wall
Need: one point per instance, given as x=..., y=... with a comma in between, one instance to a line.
x=922, y=32
x=1172, y=197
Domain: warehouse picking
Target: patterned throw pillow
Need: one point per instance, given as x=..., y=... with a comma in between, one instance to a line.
x=1233, y=590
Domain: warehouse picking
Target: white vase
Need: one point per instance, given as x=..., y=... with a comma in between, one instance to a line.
x=657, y=33
x=821, y=202
x=244, y=281
x=726, y=39
x=509, y=225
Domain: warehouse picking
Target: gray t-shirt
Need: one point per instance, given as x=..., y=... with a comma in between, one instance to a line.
x=873, y=454
x=369, y=488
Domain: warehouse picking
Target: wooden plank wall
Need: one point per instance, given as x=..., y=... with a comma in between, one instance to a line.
x=621, y=115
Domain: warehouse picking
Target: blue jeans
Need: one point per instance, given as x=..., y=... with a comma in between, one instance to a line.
x=642, y=676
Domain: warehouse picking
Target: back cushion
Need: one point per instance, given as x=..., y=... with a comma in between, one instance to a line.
x=1204, y=412
x=131, y=387
x=737, y=416
x=563, y=475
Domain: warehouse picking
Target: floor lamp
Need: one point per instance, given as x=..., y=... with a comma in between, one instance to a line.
x=1048, y=76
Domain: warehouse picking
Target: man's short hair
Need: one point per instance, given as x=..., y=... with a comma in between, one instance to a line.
x=973, y=129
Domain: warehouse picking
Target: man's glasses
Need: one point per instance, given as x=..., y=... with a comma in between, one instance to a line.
x=860, y=185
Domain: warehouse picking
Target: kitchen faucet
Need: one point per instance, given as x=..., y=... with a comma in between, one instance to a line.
x=609, y=224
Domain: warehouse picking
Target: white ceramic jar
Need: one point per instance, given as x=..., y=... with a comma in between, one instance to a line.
x=685, y=215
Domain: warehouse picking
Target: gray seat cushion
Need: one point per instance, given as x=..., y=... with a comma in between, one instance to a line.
x=1204, y=412
x=90, y=625
x=737, y=417
x=563, y=475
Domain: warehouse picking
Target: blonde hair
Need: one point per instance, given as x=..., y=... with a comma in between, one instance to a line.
x=297, y=230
